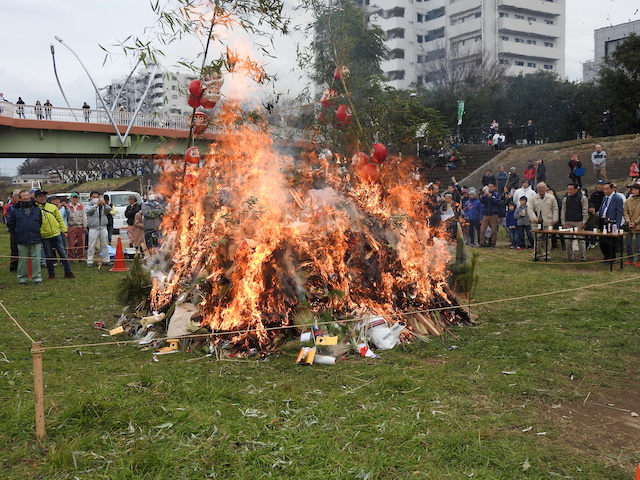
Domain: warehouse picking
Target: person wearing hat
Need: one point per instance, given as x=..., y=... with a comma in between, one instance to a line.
x=598, y=195
x=77, y=221
x=513, y=180
x=631, y=212
x=24, y=222
x=53, y=232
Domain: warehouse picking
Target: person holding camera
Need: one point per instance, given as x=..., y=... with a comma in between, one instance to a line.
x=98, y=221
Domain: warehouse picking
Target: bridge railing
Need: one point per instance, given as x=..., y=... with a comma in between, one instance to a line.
x=63, y=114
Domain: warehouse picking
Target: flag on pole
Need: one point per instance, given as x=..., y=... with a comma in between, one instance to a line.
x=460, y=111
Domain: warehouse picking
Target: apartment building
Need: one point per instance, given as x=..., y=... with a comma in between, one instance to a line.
x=167, y=93
x=605, y=41
x=423, y=35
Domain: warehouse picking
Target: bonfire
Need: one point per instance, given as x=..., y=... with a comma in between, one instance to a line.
x=255, y=237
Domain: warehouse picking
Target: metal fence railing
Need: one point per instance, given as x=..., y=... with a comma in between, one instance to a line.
x=63, y=114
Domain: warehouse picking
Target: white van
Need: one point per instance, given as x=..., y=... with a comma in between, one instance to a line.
x=120, y=201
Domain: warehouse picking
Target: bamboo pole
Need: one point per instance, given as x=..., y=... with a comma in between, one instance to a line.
x=38, y=390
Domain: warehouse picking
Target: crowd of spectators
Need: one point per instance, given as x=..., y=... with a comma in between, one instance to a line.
x=58, y=230
x=520, y=206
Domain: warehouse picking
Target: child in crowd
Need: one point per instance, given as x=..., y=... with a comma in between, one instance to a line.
x=511, y=224
x=473, y=211
x=524, y=223
x=592, y=222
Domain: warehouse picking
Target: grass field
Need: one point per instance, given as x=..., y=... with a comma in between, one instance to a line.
x=424, y=410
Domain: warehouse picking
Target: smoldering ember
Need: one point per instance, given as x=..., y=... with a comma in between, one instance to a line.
x=254, y=240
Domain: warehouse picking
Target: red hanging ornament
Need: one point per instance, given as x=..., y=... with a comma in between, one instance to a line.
x=342, y=73
x=369, y=173
x=360, y=159
x=194, y=102
x=343, y=114
x=195, y=88
x=379, y=153
x=328, y=95
x=190, y=180
x=199, y=121
x=192, y=156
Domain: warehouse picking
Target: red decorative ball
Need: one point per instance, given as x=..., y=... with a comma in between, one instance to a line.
x=206, y=103
x=194, y=102
x=342, y=72
x=369, y=173
x=379, y=153
x=360, y=159
x=343, y=114
x=328, y=95
x=190, y=180
x=192, y=156
x=195, y=88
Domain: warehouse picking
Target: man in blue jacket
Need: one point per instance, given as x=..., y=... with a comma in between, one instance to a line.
x=609, y=215
x=492, y=203
x=25, y=220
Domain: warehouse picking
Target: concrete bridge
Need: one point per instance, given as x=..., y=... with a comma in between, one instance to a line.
x=26, y=131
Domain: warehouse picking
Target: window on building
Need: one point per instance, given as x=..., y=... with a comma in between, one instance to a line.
x=478, y=38
x=419, y=38
x=420, y=57
x=503, y=14
x=519, y=40
x=548, y=67
x=519, y=64
x=506, y=39
x=396, y=53
x=435, y=55
x=531, y=64
x=478, y=14
x=549, y=22
x=395, y=33
x=610, y=46
x=174, y=97
x=531, y=42
x=174, y=87
x=434, y=34
x=548, y=44
x=420, y=18
x=395, y=12
x=433, y=14
x=504, y=62
x=531, y=19
x=396, y=75
x=519, y=17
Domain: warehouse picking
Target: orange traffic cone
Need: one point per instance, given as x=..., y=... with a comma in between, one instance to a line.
x=118, y=265
x=638, y=472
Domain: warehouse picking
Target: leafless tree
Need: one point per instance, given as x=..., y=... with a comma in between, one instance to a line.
x=464, y=71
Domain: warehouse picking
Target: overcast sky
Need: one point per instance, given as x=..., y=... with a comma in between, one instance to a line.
x=29, y=27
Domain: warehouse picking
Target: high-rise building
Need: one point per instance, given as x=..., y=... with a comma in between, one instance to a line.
x=605, y=42
x=424, y=35
x=167, y=93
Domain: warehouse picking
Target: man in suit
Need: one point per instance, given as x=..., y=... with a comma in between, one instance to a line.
x=609, y=215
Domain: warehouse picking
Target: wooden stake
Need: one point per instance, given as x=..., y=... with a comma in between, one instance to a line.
x=38, y=390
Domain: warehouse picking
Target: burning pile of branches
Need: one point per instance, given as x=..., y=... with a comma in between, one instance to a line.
x=254, y=237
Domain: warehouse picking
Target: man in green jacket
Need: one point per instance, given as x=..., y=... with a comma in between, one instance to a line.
x=52, y=231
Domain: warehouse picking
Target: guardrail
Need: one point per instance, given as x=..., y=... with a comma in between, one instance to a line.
x=62, y=114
